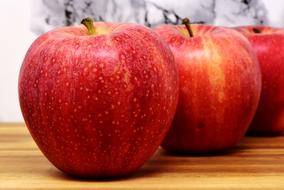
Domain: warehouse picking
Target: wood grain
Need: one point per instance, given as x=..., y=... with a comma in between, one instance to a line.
x=256, y=163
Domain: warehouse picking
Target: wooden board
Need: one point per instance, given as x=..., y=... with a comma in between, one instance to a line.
x=256, y=163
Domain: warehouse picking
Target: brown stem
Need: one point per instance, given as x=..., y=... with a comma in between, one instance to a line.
x=88, y=22
x=186, y=22
x=256, y=30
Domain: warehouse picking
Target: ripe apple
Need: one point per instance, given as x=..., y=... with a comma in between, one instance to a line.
x=220, y=86
x=98, y=99
x=268, y=43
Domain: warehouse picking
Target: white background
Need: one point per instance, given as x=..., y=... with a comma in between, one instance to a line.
x=16, y=37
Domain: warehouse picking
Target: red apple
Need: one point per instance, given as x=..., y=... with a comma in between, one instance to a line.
x=98, y=102
x=220, y=86
x=268, y=43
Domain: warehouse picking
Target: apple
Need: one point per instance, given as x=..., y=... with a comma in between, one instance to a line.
x=220, y=85
x=268, y=43
x=98, y=98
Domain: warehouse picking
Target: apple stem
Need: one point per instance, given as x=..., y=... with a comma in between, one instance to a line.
x=186, y=22
x=256, y=30
x=88, y=22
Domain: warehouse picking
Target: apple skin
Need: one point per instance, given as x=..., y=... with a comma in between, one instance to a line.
x=98, y=106
x=269, y=48
x=220, y=85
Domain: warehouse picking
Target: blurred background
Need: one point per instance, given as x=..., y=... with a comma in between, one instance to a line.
x=22, y=21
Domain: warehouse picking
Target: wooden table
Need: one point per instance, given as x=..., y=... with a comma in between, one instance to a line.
x=256, y=163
